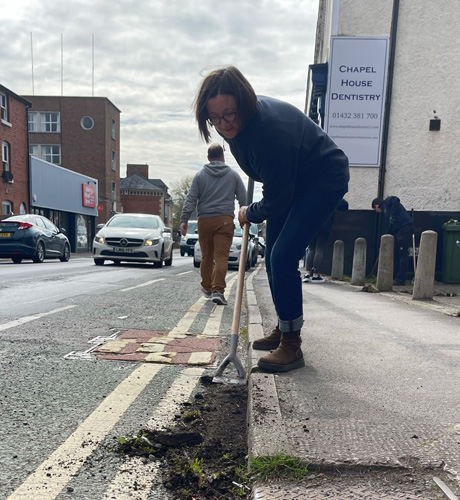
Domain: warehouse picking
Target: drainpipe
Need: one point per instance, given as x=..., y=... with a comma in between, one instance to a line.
x=29, y=185
x=386, y=121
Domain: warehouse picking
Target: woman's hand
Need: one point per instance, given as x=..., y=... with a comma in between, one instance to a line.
x=242, y=219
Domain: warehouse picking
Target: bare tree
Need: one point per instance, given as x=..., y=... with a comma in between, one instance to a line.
x=179, y=192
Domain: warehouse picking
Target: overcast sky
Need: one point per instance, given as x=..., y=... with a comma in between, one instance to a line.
x=149, y=58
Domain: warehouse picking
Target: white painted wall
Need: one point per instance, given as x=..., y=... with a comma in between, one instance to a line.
x=423, y=167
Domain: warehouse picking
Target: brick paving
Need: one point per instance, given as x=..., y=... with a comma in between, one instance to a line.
x=150, y=346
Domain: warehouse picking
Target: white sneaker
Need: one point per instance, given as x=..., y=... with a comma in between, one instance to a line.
x=306, y=278
x=317, y=279
x=206, y=293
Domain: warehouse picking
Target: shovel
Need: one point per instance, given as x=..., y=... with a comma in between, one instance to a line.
x=219, y=378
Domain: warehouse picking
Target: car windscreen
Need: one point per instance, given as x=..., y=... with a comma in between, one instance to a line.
x=134, y=222
x=192, y=227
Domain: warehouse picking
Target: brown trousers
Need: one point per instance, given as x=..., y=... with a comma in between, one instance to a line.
x=215, y=235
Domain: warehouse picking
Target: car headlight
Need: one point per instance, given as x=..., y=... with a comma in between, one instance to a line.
x=150, y=243
x=238, y=246
x=183, y=238
x=99, y=239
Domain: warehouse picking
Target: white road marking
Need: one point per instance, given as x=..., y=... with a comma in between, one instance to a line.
x=189, y=317
x=54, y=473
x=136, y=476
x=33, y=317
x=186, y=272
x=147, y=283
x=215, y=318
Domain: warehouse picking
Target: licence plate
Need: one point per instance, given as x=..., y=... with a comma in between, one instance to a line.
x=5, y=235
x=123, y=250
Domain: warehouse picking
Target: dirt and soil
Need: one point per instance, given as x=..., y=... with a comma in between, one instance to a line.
x=204, y=453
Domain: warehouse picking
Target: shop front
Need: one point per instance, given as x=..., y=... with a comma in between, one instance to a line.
x=67, y=198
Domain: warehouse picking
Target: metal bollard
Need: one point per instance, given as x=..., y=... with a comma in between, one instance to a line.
x=426, y=266
x=385, y=268
x=338, y=259
x=358, y=274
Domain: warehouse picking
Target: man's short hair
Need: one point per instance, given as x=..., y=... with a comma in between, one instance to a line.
x=215, y=151
x=376, y=202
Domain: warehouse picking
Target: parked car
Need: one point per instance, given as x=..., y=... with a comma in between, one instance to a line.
x=133, y=238
x=235, y=250
x=31, y=236
x=261, y=246
x=187, y=242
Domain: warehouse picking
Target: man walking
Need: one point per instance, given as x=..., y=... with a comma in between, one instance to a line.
x=401, y=227
x=212, y=194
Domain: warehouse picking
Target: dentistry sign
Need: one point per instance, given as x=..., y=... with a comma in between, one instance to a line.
x=355, y=97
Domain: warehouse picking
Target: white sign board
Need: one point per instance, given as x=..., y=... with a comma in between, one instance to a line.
x=355, y=97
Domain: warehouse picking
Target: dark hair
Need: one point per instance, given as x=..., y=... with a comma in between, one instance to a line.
x=215, y=151
x=228, y=81
x=376, y=202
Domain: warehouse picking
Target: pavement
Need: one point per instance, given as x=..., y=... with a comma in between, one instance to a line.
x=375, y=413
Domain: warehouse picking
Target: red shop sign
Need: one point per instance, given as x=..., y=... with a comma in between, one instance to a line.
x=88, y=195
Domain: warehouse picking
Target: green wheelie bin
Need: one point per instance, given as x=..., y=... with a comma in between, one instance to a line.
x=451, y=252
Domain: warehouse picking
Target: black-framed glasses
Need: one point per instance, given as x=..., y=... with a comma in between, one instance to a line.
x=227, y=117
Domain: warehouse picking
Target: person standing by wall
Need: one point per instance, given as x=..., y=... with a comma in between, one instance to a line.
x=401, y=227
x=212, y=193
x=304, y=176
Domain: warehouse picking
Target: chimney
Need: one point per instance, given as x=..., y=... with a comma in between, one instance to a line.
x=132, y=168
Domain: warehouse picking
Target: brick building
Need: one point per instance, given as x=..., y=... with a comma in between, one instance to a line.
x=139, y=194
x=14, y=188
x=81, y=134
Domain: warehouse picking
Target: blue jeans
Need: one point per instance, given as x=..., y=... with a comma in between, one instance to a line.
x=287, y=236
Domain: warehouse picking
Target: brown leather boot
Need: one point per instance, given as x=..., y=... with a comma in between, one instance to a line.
x=287, y=357
x=269, y=342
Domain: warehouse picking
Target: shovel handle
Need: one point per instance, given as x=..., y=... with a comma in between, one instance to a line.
x=240, y=283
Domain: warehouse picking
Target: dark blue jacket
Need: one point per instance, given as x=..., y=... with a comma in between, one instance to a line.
x=286, y=151
x=395, y=214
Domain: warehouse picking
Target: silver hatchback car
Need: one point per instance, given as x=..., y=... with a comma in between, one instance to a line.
x=134, y=238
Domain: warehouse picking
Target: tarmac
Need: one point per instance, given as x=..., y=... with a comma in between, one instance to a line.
x=375, y=413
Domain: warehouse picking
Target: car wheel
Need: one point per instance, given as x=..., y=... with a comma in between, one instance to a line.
x=168, y=262
x=182, y=253
x=99, y=262
x=65, y=254
x=16, y=260
x=195, y=263
x=160, y=262
x=40, y=253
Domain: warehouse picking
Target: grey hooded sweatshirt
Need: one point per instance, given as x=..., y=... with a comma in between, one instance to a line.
x=213, y=192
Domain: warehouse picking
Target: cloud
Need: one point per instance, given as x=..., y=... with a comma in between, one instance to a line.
x=149, y=58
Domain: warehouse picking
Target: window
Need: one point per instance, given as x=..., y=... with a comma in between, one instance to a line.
x=114, y=160
x=47, y=152
x=87, y=123
x=4, y=107
x=50, y=122
x=7, y=208
x=114, y=129
x=6, y=156
x=114, y=188
x=39, y=222
x=22, y=208
x=51, y=154
x=33, y=122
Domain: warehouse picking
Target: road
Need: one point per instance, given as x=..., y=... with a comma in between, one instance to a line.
x=61, y=411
